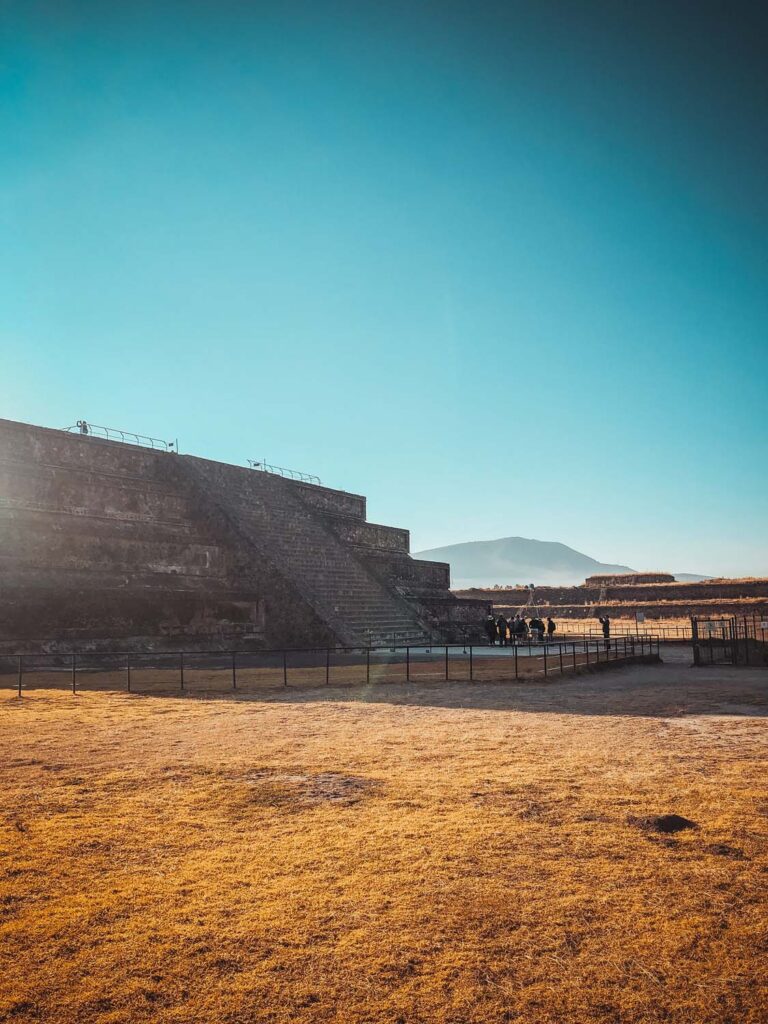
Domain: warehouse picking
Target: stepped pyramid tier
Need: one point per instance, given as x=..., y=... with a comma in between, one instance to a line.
x=106, y=545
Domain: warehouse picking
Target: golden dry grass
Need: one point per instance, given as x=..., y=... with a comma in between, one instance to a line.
x=620, y=626
x=425, y=853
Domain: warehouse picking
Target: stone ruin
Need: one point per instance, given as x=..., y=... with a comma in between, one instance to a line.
x=112, y=546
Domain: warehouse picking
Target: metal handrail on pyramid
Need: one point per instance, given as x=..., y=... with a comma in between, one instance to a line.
x=289, y=474
x=87, y=429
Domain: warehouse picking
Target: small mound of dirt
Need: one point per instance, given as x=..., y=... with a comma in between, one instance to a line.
x=723, y=850
x=667, y=823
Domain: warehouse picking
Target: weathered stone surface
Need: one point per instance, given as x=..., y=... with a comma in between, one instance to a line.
x=105, y=544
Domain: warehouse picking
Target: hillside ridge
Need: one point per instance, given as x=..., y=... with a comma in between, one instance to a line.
x=516, y=560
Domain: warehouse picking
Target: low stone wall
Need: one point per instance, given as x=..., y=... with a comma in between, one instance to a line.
x=628, y=579
x=645, y=594
x=681, y=610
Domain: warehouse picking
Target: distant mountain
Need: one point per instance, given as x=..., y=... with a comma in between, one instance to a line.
x=510, y=560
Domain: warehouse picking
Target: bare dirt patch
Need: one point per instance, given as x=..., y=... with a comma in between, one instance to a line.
x=666, y=823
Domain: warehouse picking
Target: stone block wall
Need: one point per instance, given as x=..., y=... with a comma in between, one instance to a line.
x=97, y=544
x=370, y=536
x=662, y=600
x=108, y=544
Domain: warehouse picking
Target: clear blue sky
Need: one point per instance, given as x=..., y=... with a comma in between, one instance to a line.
x=499, y=266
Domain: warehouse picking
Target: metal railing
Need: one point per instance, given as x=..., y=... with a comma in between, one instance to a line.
x=289, y=474
x=665, y=634
x=568, y=628
x=124, y=436
x=730, y=640
x=206, y=671
x=682, y=633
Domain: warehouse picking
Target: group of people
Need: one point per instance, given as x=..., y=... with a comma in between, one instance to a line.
x=518, y=630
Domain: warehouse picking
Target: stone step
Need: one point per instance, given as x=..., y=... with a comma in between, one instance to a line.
x=269, y=513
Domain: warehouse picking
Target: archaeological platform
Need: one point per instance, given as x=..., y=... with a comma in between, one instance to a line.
x=107, y=545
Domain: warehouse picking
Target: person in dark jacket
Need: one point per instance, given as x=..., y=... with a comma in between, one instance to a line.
x=515, y=629
x=605, y=622
x=490, y=628
x=551, y=627
x=501, y=625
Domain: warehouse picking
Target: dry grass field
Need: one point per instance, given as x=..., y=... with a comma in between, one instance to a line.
x=390, y=854
x=669, y=625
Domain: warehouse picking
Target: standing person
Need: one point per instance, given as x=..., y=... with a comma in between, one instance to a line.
x=551, y=627
x=523, y=629
x=501, y=625
x=490, y=628
x=605, y=622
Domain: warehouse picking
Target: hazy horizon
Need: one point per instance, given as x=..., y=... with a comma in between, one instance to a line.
x=499, y=267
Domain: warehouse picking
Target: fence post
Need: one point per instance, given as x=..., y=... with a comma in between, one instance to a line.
x=545, y=661
x=285, y=669
x=516, y=676
x=128, y=670
x=573, y=649
x=74, y=672
x=327, y=665
x=561, y=657
x=586, y=649
x=21, y=671
x=181, y=669
x=446, y=663
x=470, y=663
x=234, y=672
x=407, y=663
x=368, y=664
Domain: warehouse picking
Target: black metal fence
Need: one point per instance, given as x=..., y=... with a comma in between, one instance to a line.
x=730, y=640
x=196, y=671
x=575, y=629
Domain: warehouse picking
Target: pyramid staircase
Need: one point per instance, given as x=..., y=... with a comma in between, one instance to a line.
x=265, y=513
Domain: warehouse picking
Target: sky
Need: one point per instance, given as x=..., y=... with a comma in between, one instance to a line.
x=501, y=267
